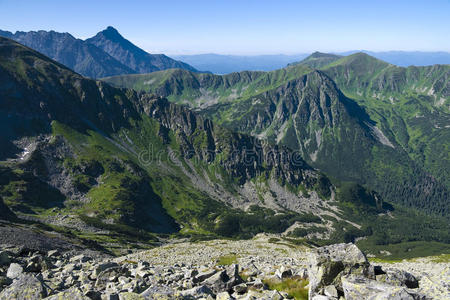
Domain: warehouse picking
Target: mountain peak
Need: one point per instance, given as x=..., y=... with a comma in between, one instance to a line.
x=318, y=54
x=318, y=59
x=111, y=33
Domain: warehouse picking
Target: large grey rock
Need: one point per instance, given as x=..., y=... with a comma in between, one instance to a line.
x=224, y=296
x=358, y=287
x=198, y=291
x=399, y=278
x=104, y=266
x=326, y=266
x=24, y=288
x=205, y=274
x=159, y=292
x=14, y=271
x=283, y=272
x=70, y=294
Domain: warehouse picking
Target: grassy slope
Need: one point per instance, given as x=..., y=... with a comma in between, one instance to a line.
x=411, y=105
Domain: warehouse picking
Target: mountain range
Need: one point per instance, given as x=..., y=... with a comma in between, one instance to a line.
x=341, y=147
x=355, y=118
x=105, y=54
x=224, y=64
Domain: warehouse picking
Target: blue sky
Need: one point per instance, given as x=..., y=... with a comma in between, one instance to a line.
x=244, y=27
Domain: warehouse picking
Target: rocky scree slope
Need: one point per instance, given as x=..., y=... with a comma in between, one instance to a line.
x=219, y=269
x=88, y=169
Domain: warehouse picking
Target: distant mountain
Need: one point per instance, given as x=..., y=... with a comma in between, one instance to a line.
x=317, y=60
x=106, y=54
x=409, y=58
x=224, y=64
x=76, y=54
x=110, y=41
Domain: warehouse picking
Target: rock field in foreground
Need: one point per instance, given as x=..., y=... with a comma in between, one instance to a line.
x=219, y=269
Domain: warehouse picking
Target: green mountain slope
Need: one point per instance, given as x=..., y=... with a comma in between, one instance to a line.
x=349, y=140
x=98, y=157
x=202, y=89
x=113, y=166
x=410, y=104
x=317, y=60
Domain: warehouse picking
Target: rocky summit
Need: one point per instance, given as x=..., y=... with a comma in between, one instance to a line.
x=264, y=267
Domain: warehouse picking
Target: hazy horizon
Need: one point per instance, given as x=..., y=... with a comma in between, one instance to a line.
x=244, y=27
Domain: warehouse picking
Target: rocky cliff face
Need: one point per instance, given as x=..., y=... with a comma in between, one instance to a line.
x=245, y=157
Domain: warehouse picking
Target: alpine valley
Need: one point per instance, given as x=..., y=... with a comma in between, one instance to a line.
x=332, y=149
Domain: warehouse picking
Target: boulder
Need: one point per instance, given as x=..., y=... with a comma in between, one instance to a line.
x=53, y=253
x=14, y=271
x=25, y=287
x=198, y=291
x=326, y=266
x=159, y=292
x=130, y=296
x=80, y=259
x=72, y=294
x=224, y=296
x=204, y=275
x=398, y=278
x=283, y=272
x=331, y=291
x=359, y=287
x=104, y=266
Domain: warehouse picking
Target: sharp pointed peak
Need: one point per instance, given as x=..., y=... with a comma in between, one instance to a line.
x=110, y=32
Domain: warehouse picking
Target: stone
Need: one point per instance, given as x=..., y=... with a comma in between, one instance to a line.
x=14, y=271
x=158, y=291
x=331, y=291
x=218, y=281
x=398, y=278
x=358, y=287
x=190, y=273
x=326, y=266
x=130, y=296
x=283, y=272
x=104, y=266
x=80, y=259
x=202, y=290
x=25, y=287
x=53, y=253
x=205, y=274
x=72, y=294
x=223, y=296
x=240, y=288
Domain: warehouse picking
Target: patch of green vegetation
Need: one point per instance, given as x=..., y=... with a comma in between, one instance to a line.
x=227, y=260
x=295, y=287
x=404, y=250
